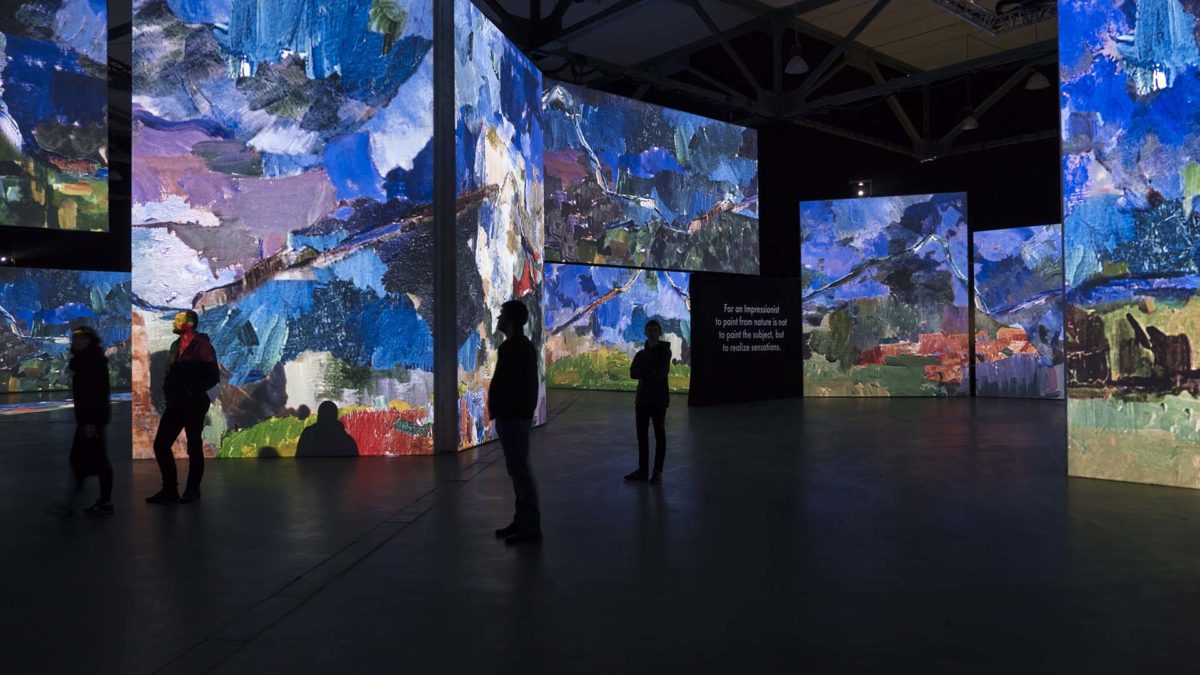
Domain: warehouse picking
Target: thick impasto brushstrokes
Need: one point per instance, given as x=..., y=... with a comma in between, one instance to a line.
x=498, y=128
x=1131, y=174
x=53, y=114
x=629, y=183
x=282, y=187
x=884, y=295
x=596, y=321
x=1019, y=312
x=38, y=309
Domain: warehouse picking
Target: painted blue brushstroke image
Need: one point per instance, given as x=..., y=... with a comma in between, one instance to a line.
x=499, y=182
x=633, y=184
x=54, y=114
x=282, y=188
x=596, y=320
x=1130, y=88
x=38, y=309
x=1019, y=312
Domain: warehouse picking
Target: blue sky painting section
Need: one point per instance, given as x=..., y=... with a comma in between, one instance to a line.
x=499, y=220
x=38, y=309
x=283, y=186
x=635, y=184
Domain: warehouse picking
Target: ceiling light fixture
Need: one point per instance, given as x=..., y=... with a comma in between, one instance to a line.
x=796, y=65
x=1037, y=82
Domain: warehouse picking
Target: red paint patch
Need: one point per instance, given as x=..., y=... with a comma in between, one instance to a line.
x=376, y=433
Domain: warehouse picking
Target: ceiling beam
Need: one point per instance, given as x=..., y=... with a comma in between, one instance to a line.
x=902, y=117
x=755, y=85
x=829, y=37
x=794, y=107
x=847, y=40
x=855, y=136
x=1013, y=80
x=583, y=26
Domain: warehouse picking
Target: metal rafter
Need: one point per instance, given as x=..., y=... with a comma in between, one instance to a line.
x=1036, y=53
x=980, y=110
x=902, y=117
x=729, y=50
x=584, y=25
x=841, y=46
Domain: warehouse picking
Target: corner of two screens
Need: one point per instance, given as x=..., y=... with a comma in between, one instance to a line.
x=898, y=301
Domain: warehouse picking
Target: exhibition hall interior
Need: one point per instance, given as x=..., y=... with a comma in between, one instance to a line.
x=599, y=336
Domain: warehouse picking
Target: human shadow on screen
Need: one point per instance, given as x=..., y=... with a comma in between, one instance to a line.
x=326, y=438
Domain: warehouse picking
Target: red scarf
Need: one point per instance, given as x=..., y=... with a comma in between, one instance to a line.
x=185, y=340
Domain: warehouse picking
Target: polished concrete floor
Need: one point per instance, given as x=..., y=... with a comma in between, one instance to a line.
x=821, y=536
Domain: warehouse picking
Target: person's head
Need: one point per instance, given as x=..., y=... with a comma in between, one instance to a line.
x=513, y=317
x=653, y=330
x=327, y=412
x=186, y=322
x=84, y=338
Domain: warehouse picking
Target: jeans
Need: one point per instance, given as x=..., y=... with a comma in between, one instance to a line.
x=645, y=415
x=514, y=439
x=188, y=418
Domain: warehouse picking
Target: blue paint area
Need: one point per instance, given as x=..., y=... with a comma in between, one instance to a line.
x=201, y=11
x=620, y=322
x=348, y=161
x=44, y=82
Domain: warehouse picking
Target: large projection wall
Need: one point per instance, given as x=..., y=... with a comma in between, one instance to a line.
x=628, y=183
x=38, y=309
x=53, y=123
x=282, y=187
x=1131, y=174
x=596, y=320
x=498, y=130
x=884, y=296
x=1019, y=312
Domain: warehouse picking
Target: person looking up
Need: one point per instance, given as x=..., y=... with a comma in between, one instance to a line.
x=512, y=402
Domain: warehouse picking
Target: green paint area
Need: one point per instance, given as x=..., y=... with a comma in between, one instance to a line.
x=280, y=434
x=1154, y=441
x=608, y=369
x=900, y=376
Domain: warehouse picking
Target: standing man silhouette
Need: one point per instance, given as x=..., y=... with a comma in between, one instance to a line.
x=191, y=371
x=512, y=401
x=650, y=368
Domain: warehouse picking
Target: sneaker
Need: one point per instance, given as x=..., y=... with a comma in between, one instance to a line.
x=508, y=531
x=192, y=494
x=523, y=538
x=656, y=478
x=636, y=475
x=163, y=496
x=99, y=509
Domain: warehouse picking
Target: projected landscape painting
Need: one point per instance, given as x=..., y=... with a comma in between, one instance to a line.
x=1019, y=312
x=53, y=114
x=38, y=309
x=596, y=319
x=884, y=296
x=499, y=217
x=633, y=184
x=282, y=187
x=1131, y=175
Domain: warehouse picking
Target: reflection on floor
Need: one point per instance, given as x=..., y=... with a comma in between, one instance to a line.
x=36, y=402
x=832, y=535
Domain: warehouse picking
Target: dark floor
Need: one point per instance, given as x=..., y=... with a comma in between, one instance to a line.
x=842, y=535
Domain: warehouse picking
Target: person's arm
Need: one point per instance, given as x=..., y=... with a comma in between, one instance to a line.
x=661, y=365
x=529, y=379
x=637, y=367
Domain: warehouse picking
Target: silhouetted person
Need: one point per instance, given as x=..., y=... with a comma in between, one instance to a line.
x=191, y=371
x=90, y=389
x=328, y=436
x=512, y=401
x=650, y=367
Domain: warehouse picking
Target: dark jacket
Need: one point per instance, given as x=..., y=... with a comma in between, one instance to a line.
x=191, y=374
x=650, y=368
x=89, y=387
x=513, y=393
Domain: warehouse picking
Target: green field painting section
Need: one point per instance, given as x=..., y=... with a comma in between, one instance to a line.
x=607, y=369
